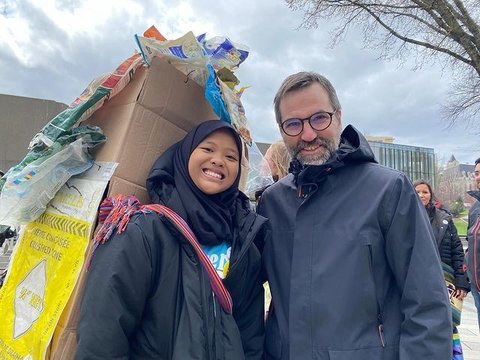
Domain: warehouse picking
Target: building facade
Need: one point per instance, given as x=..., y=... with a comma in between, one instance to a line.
x=455, y=180
x=415, y=161
x=20, y=119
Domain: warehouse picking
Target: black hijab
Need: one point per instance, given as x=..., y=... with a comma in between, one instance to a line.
x=211, y=217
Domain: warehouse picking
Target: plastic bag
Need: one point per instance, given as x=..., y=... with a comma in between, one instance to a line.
x=259, y=175
x=185, y=53
x=223, y=53
x=27, y=192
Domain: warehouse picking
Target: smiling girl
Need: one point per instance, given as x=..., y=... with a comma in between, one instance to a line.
x=148, y=295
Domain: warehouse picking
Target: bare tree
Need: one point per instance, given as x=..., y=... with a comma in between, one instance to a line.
x=447, y=30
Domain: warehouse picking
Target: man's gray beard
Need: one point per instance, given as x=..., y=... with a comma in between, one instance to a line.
x=329, y=146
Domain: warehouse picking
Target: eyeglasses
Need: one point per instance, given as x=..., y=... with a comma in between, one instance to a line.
x=318, y=121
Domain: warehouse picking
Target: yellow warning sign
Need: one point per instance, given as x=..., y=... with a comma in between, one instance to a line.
x=42, y=276
x=46, y=264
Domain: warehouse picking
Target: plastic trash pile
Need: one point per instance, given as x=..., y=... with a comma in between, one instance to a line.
x=61, y=149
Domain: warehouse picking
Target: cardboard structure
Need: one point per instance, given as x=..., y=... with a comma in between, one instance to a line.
x=155, y=110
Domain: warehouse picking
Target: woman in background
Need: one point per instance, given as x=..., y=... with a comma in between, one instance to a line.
x=278, y=160
x=451, y=254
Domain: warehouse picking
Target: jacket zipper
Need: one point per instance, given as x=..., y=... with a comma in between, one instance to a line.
x=243, y=251
x=210, y=349
x=214, y=343
x=379, y=310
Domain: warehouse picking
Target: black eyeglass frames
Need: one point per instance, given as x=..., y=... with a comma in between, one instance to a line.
x=318, y=121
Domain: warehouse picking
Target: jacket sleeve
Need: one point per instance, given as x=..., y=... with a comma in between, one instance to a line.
x=117, y=287
x=458, y=258
x=426, y=331
x=249, y=316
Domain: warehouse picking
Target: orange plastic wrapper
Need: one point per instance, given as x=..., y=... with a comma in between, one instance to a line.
x=152, y=32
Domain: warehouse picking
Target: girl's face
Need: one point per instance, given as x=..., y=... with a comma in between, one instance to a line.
x=424, y=193
x=214, y=164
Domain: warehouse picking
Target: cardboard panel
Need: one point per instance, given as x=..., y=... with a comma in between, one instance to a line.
x=115, y=117
x=132, y=91
x=149, y=136
x=120, y=186
x=171, y=94
x=154, y=111
x=115, y=121
x=67, y=346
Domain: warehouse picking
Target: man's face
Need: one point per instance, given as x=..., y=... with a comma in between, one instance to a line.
x=310, y=147
x=477, y=175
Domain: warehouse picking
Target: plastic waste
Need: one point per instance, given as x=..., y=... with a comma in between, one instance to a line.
x=257, y=178
x=27, y=192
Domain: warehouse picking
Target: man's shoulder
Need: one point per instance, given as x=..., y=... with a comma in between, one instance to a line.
x=376, y=172
x=475, y=208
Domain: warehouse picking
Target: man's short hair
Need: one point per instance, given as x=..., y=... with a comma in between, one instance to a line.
x=301, y=80
x=477, y=161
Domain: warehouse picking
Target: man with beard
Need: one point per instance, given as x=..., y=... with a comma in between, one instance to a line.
x=352, y=264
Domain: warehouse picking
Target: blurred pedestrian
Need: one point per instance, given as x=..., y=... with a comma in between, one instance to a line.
x=451, y=253
x=277, y=161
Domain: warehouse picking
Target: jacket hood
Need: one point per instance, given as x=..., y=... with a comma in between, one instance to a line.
x=160, y=181
x=353, y=148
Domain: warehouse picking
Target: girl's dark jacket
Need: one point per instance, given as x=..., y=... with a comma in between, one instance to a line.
x=147, y=296
x=352, y=264
x=473, y=237
x=449, y=245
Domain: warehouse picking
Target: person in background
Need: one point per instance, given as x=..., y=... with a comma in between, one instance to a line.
x=148, y=296
x=349, y=259
x=473, y=238
x=6, y=232
x=451, y=253
x=278, y=160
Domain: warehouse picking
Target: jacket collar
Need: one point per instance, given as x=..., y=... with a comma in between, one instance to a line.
x=475, y=194
x=353, y=148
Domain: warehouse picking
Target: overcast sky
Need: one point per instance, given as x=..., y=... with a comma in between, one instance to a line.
x=53, y=49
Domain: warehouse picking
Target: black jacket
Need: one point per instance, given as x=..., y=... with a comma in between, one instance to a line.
x=353, y=251
x=148, y=297
x=450, y=246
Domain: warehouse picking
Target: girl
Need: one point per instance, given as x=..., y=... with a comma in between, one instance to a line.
x=148, y=295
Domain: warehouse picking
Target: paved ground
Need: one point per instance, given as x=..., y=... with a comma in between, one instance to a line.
x=469, y=333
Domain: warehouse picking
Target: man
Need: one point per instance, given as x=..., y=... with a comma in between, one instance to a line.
x=352, y=264
x=473, y=237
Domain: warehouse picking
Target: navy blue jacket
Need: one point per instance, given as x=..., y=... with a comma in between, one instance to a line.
x=353, y=265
